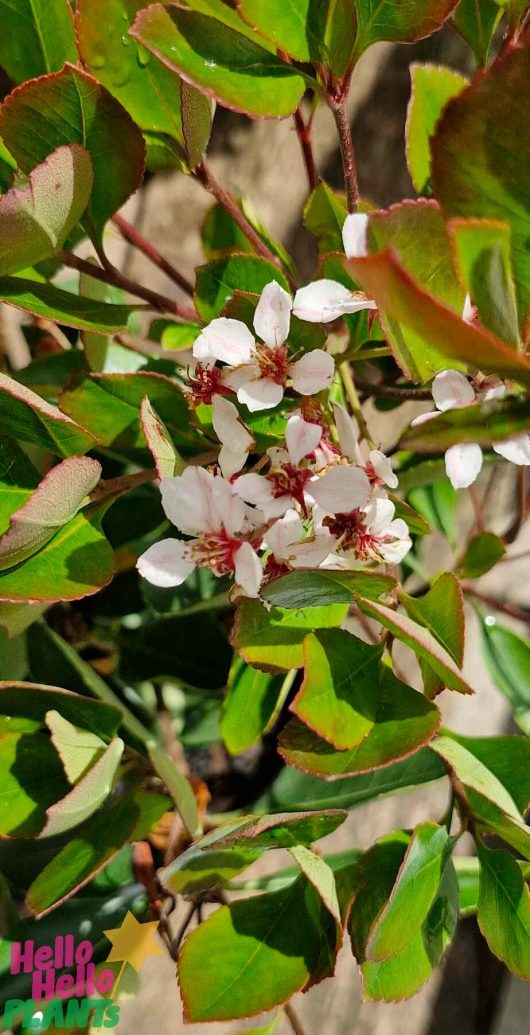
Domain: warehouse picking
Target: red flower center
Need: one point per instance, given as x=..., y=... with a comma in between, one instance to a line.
x=273, y=362
x=352, y=534
x=205, y=383
x=215, y=550
x=289, y=480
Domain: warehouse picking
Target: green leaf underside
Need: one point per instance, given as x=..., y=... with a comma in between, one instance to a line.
x=404, y=722
x=28, y=417
x=34, y=700
x=87, y=795
x=78, y=749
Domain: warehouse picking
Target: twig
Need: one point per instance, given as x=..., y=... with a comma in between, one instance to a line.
x=498, y=605
x=134, y=237
x=293, y=1019
x=161, y=303
x=124, y=483
x=304, y=136
x=208, y=180
x=173, y=941
x=520, y=516
x=393, y=391
x=347, y=151
x=479, y=524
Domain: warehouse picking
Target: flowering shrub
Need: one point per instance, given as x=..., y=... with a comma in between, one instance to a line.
x=203, y=543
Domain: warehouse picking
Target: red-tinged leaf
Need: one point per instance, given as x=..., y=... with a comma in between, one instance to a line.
x=83, y=113
x=443, y=335
x=26, y=416
x=480, y=154
x=36, y=36
x=52, y=303
x=271, y=639
x=88, y=794
x=55, y=502
x=402, y=21
x=34, y=700
x=405, y=721
x=36, y=220
x=441, y=610
x=421, y=641
x=168, y=463
x=482, y=423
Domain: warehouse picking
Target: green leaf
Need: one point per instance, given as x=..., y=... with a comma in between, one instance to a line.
x=272, y=639
x=432, y=87
x=217, y=281
x=483, y=257
x=476, y=23
x=478, y=163
x=322, y=588
x=294, y=26
x=220, y=62
x=295, y=790
x=220, y=234
x=36, y=220
x=34, y=700
x=437, y=501
x=36, y=36
x=88, y=794
x=482, y=553
x=484, y=423
x=320, y=875
x=324, y=216
x=168, y=463
x=16, y=618
x=405, y=721
x=174, y=646
x=403, y=21
x=197, y=117
x=340, y=695
x=32, y=781
x=43, y=299
x=26, y=416
x=508, y=758
x=108, y=405
x=249, y=707
x=83, y=113
x=504, y=909
x=79, y=557
x=441, y=334
x=441, y=610
x=507, y=657
x=422, y=642
x=179, y=787
x=78, y=749
x=255, y=954
x=413, y=894
x=53, y=504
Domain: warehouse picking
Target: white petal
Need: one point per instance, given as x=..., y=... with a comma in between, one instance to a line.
x=326, y=300
x=463, y=464
x=383, y=468
x=313, y=372
x=302, y=438
x=393, y=553
x=468, y=313
x=516, y=450
x=451, y=390
x=188, y=501
x=494, y=393
x=254, y=488
x=248, y=570
x=229, y=341
x=354, y=235
x=283, y=534
x=424, y=417
x=165, y=564
x=379, y=514
x=232, y=433
x=273, y=315
x=311, y=553
x=340, y=490
x=231, y=461
x=229, y=507
x=348, y=431
x=262, y=394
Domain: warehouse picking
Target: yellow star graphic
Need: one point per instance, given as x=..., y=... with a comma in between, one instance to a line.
x=133, y=942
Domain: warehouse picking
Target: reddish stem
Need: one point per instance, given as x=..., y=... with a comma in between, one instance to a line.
x=161, y=303
x=304, y=136
x=134, y=237
x=498, y=605
x=347, y=150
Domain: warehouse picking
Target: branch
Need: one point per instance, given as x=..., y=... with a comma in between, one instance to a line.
x=304, y=136
x=134, y=237
x=161, y=303
x=498, y=605
x=293, y=1019
x=124, y=483
x=347, y=151
x=393, y=391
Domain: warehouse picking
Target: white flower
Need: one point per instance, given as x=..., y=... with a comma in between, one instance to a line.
x=289, y=546
x=354, y=235
x=234, y=437
x=206, y=507
x=368, y=533
x=325, y=300
x=378, y=468
x=340, y=489
x=451, y=390
x=284, y=485
x=261, y=369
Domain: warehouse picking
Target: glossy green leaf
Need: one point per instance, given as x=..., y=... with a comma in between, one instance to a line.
x=88, y=794
x=482, y=553
x=255, y=954
x=504, y=909
x=249, y=706
x=413, y=894
x=444, y=339
x=320, y=875
x=476, y=23
x=28, y=417
x=36, y=36
x=179, y=787
x=108, y=405
x=322, y=588
x=32, y=781
x=485, y=423
x=294, y=26
x=34, y=700
x=478, y=162
x=441, y=610
x=167, y=461
x=272, y=638
x=52, y=303
x=508, y=758
x=483, y=256
x=340, y=695
x=437, y=502
x=35, y=220
x=403, y=21
x=83, y=113
x=224, y=64
x=405, y=721
x=324, y=216
x=422, y=642
x=432, y=86
x=217, y=281
x=55, y=502
x=78, y=749
x=507, y=657
x=80, y=558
